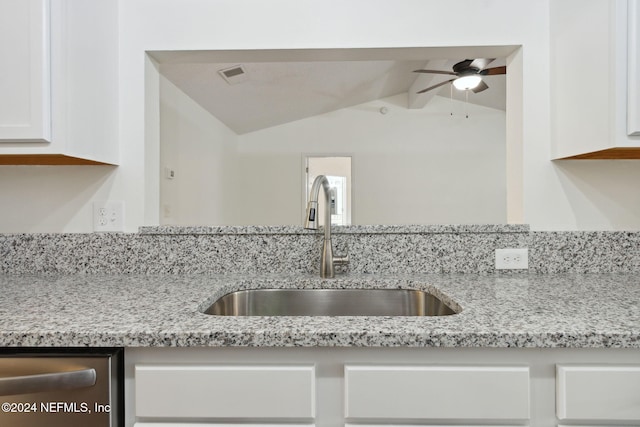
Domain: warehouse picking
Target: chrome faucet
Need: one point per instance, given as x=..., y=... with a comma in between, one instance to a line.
x=327, y=259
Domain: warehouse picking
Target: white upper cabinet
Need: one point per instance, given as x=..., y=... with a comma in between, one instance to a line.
x=633, y=76
x=58, y=82
x=594, y=52
x=25, y=89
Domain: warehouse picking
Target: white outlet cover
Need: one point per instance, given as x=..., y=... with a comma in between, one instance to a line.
x=512, y=259
x=108, y=216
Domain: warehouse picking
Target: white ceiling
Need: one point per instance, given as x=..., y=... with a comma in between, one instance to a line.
x=287, y=85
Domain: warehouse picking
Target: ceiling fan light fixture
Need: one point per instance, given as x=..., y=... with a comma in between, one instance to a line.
x=467, y=82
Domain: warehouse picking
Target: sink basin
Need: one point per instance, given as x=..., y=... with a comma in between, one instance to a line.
x=329, y=302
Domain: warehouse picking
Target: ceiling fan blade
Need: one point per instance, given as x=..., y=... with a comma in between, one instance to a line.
x=435, y=86
x=481, y=86
x=481, y=63
x=494, y=71
x=435, y=72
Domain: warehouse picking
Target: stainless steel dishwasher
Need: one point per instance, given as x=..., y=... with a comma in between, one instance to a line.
x=61, y=387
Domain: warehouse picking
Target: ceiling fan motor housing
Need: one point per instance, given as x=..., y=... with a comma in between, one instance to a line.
x=464, y=68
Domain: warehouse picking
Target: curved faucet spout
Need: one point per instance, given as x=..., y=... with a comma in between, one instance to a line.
x=327, y=259
x=311, y=223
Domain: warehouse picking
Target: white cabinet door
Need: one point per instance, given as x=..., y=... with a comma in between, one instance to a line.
x=58, y=82
x=633, y=75
x=590, y=425
x=426, y=425
x=436, y=392
x=25, y=87
x=598, y=392
x=225, y=391
x=601, y=29
x=218, y=425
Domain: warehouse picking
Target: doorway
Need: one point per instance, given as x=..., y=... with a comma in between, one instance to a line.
x=337, y=169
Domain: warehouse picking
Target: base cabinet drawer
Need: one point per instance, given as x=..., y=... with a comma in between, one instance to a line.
x=432, y=425
x=598, y=392
x=436, y=392
x=225, y=392
x=219, y=425
x=590, y=425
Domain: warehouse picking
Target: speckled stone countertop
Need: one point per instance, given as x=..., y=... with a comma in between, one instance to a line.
x=341, y=229
x=595, y=310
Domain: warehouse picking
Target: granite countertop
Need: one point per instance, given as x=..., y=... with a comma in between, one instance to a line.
x=595, y=310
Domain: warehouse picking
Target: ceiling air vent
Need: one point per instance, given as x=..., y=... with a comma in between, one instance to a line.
x=233, y=75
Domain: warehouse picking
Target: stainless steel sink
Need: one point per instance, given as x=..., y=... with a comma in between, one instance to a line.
x=329, y=302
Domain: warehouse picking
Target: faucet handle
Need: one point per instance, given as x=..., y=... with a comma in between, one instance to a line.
x=342, y=259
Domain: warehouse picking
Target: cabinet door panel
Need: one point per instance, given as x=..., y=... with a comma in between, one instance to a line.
x=424, y=425
x=218, y=425
x=633, y=98
x=590, y=425
x=598, y=392
x=437, y=392
x=25, y=87
x=176, y=391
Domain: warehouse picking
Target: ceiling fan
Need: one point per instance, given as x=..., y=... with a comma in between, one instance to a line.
x=468, y=74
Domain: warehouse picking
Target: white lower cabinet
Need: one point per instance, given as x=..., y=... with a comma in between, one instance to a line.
x=381, y=387
x=186, y=424
x=598, y=393
x=229, y=394
x=428, y=393
x=225, y=392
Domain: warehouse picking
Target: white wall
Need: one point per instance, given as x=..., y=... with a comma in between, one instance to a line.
x=201, y=152
x=37, y=199
x=409, y=166
x=158, y=26
x=555, y=196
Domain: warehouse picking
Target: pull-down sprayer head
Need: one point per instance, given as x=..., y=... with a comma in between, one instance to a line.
x=311, y=220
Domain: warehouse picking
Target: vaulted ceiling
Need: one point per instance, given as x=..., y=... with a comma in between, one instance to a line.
x=280, y=86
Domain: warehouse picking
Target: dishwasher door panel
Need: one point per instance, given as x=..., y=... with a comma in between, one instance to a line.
x=50, y=391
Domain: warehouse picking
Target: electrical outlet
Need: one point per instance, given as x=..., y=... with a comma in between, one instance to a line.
x=108, y=216
x=512, y=259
